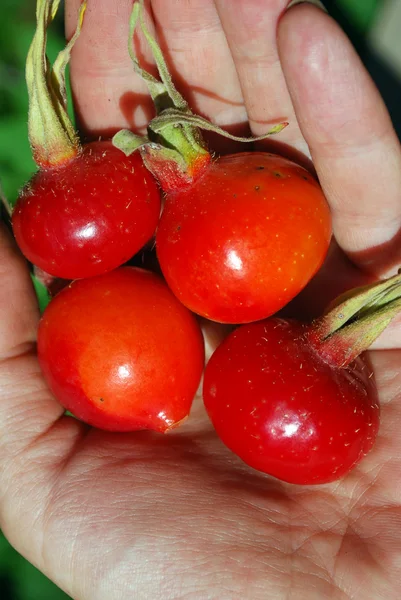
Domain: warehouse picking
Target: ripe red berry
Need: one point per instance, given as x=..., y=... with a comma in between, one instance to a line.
x=244, y=238
x=286, y=410
x=120, y=352
x=239, y=235
x=89, y=215
x=88, y=209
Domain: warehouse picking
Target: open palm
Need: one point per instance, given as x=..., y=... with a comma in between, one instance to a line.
x=121, y=516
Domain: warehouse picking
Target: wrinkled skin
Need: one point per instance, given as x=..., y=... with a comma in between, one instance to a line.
x=142, y=516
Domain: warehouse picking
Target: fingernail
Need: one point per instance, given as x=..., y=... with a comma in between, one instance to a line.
x=314, y=2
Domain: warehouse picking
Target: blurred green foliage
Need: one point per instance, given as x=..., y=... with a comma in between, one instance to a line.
x=361, y=12
x=19, y=580
x=42, y=293
x=15, y=157
x=17, y=27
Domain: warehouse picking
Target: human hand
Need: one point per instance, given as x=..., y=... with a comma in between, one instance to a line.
x=118, y=516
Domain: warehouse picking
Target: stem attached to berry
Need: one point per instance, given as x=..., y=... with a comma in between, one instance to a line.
x=51, y=134
x=174, y=150
x=356, y=320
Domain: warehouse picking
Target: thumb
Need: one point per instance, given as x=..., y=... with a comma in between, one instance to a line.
x=27, y=408
x=19, y=310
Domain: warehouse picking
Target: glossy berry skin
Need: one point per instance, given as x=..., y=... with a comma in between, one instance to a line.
x=241, y=241
x=90, y=215
x=120, y=352
x=283, y=410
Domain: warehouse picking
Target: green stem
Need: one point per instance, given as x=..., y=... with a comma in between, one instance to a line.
x=156, y=88
x=174, y=144
x=356, y=320
x=170, y=90
x=173, y=118
x=51, y=133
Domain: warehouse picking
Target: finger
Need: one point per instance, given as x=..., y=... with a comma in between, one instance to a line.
x=350, y=135
x=197, y=53
x=19, y=309
x=251, y=30
x=27, y=408
x=34, y=441
x=196, y=48
x=108, y=95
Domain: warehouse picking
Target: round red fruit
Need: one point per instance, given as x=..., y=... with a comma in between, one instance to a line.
x=121, y=353
x=89, y=215
x=244, y=238
x=284, y=410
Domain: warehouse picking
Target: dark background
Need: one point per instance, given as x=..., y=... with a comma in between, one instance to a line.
x=18, y=579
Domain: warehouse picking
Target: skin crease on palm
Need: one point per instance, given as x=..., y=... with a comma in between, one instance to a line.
x=115, y=517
